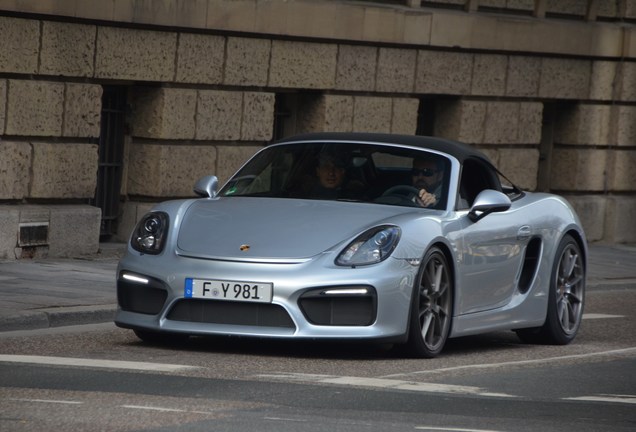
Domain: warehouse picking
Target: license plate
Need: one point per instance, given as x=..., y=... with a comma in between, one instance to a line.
x=228, y=290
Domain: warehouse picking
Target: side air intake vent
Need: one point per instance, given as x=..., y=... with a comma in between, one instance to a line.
x=530, y=264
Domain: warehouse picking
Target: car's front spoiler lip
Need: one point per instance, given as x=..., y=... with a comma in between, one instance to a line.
x=134, y=321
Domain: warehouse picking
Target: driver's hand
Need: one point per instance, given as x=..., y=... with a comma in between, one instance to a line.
x=425, y=199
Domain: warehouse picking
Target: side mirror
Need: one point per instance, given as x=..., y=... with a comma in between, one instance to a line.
x=488, y=201
x=207, y=187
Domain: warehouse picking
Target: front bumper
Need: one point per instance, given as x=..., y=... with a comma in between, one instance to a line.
x=308, y=299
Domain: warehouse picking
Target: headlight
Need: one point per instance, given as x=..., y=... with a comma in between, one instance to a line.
x=149, y=234
x=372, y=247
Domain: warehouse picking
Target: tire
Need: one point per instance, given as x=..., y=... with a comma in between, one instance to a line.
x=157, y=338
x=566, y=298
x=431, y=307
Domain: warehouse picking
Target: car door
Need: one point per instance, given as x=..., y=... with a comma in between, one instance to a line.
x=491, y=248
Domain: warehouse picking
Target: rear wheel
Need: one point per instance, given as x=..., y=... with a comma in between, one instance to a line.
x=431, y=309
x=565, y=299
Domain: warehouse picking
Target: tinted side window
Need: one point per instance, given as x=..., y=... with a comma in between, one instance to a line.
x=476, y=177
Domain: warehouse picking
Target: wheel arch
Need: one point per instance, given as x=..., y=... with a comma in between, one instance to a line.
x=450, y=260
x=580, y=240
x=446, y=251
x=417, y=346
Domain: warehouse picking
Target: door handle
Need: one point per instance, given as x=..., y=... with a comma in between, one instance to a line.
x=524, y=232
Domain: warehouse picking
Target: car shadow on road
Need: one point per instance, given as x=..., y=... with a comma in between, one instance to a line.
x=336, y=350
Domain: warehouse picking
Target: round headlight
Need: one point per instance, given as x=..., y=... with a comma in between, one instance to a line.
x=152, y=225
x=381, y=238
x=150, y=233
x=371, y=247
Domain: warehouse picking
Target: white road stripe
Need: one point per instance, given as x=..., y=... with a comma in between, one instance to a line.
x=601, y=316
x=66, y=402
x=167, y=410
x=285, y=419
x=151, y=408
x=631, y=350
x=94, y=363
x=628, y=399
x=384, y=383
x=451, y=429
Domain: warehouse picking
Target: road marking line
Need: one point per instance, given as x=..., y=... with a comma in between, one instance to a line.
x=285, y=419
x=150, y=408
x=601, y=316
x=95, y=363
x=451, y=429
x=628, y=399
x=515, y=363
x=162, y=409
x=47, y=401
x=385, y=383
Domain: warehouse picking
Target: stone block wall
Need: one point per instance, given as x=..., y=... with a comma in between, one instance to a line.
x=148, y=55
x=15, y=165
x=163, y=113
x=49, y=156
x=341, y=113
x=62, y=170
x=34, y=167
x=200, y=58
x=160, y=170
x=202, y=101
x=21, y=43
x=67, y=49
x=34, y=108
x=72, y=230
x=509, y=132
x=594, y=161
x=302, y=65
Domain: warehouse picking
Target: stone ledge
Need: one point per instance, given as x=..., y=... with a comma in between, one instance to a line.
x=73, y=230
x=619, y=219
x=361, y=22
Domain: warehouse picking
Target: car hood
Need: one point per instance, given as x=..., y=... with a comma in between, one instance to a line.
x=274, y=230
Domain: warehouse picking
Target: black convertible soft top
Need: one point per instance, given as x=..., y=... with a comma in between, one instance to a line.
x=456, y=149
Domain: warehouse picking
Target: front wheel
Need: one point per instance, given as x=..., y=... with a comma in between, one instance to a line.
x=432, y=306
x=565, y=299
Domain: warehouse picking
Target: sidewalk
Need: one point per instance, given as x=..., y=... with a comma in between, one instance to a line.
x=58, y=292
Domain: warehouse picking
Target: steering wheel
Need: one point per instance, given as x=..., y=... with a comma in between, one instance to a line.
x=400, y=194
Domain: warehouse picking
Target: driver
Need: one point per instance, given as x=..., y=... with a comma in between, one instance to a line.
x=426, y=176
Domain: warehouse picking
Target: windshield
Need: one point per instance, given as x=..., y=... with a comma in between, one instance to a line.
x=371, y=173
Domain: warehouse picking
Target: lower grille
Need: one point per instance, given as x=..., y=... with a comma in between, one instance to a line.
x=233, y=313
x=140, y=298
x=339, y=309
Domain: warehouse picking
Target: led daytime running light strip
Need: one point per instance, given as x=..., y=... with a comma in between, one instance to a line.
x=133, y=278
x=355, y=291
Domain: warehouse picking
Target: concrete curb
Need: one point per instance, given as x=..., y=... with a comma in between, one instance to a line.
x=58, y=317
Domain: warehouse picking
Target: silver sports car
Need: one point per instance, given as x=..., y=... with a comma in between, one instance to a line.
x=402, y=239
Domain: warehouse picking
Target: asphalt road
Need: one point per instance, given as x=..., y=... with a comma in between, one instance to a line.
x=99, y=377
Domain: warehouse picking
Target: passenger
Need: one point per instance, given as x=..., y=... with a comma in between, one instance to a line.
x=331, y=175
x=427, y=176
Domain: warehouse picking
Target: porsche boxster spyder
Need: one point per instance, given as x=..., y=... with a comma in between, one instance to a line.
x=353, y=236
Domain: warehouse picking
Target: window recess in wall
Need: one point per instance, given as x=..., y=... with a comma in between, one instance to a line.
x=111, y=155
